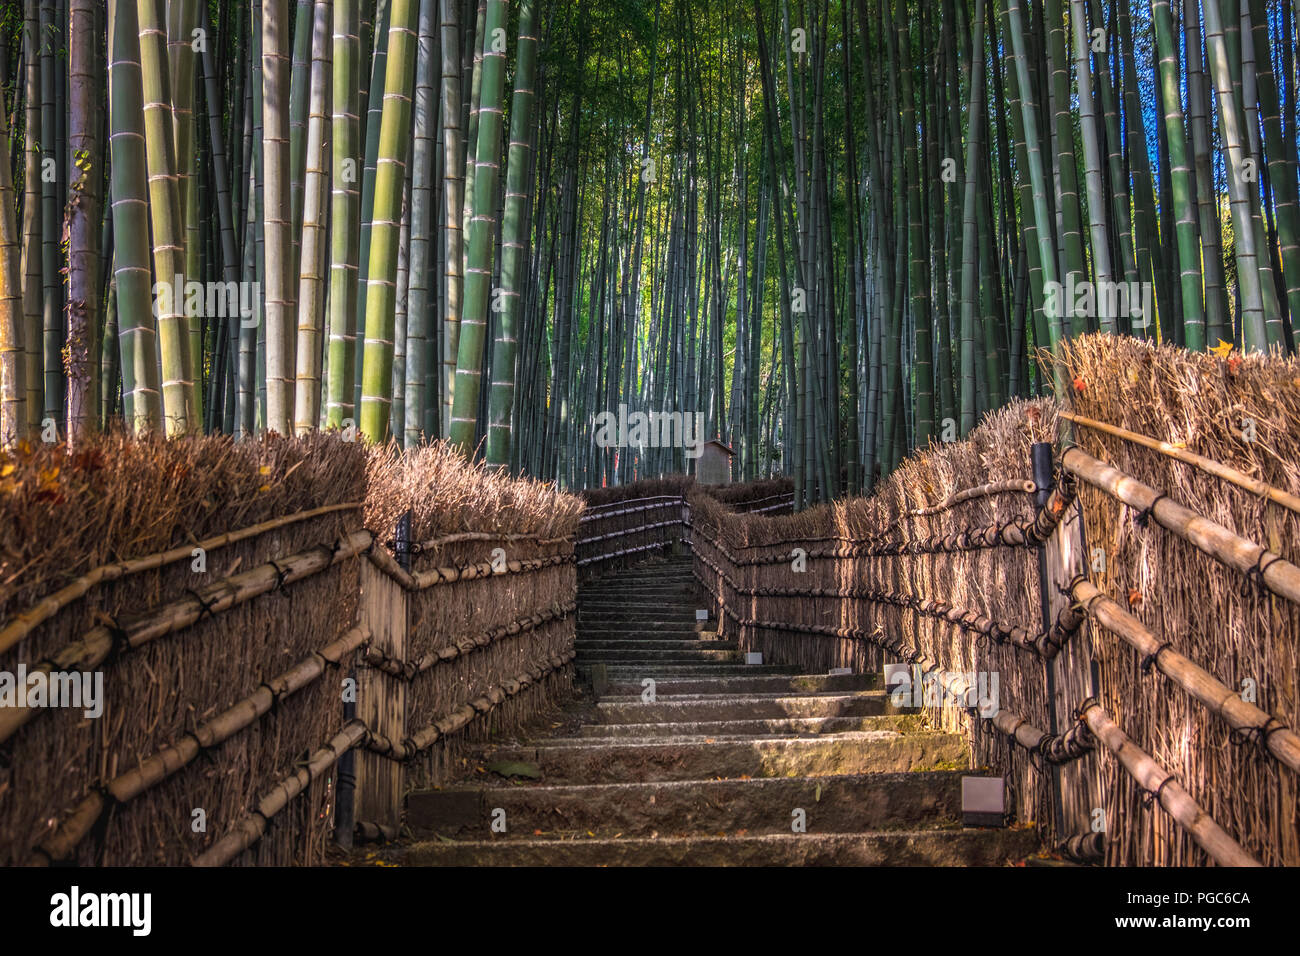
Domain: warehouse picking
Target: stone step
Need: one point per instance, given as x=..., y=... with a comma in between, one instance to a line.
x=679, y=631
x=875, y=751
x=636, y=657
x=750, y=680
x=755, y=727
x=938, y=847
x=652, y=644
x=651, y=615
x=639, y=604
x=725, y=707
x=675, y=575
x=627, y=678
x=843, y=804
x=635, y=589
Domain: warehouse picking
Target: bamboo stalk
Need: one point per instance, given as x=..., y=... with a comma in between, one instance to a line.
x=1218, y=698
x=1154, y=779
x=62, y=843
x=23, y=622
x=1273, y=571
x=1208, y=465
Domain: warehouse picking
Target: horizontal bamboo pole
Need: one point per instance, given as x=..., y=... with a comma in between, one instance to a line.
x=1275, y=572
x=595, y=512
x=449, y=724
x=1026, y=486
x=748, y=506
x=97, y=644
x=1220, y=699
x=407, y=670
x=459, y=536
x=421, y=580
x=249, y=830
x=1154, y=779
x=626, y=531
x=1086, y=847
x=1208, y=465
x=61, y=844
x=666, y=502
x=1046, y=644
x=25, y=621
x=1054, y=748
x=609, y=556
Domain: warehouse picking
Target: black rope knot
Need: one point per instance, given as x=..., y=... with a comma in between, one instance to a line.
x=1153, y=796
x=1149, y=661
x=280, y=575
x=1255, y=573
x=1144, y=516
x=205, y=607
x=121, y=642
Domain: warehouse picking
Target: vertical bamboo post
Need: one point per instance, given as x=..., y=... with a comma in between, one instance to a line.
x=1075, y=787
x=381, y=698
x=1041, y=460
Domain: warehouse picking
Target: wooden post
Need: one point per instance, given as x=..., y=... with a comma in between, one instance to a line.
x=381, y=698
x=1070, y=674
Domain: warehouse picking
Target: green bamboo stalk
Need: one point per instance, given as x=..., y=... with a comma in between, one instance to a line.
x=32, y=244
x=1097, y=228
x=1065, y=168
x=178, y=385
x=374, y=114
x=453, y=200
x=1047, y=250
x=300, y=76
x=1254, y=334
x=278, y=224
x=311, y=286
x=1217, y=319
x=13, y=356
x=1281, y=177
x=423, y=222
x=182, y=20
x=390, y=173
x=137, y=333
x=52, y=319
x=84, y=223
x=345, y=202
x=514, y=236
x=478, y=274
x=1189, y=252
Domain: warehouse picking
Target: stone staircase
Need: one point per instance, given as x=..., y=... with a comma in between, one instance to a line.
x=718, y=763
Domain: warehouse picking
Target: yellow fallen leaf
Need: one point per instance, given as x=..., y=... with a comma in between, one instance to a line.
x=1222, y=349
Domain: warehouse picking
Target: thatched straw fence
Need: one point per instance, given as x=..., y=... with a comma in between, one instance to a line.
x=225, y=731
x=1137, y=599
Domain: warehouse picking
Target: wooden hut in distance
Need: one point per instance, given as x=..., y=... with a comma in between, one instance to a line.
x=713, y=467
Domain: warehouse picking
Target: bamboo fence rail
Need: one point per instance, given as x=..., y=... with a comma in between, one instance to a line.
x=25, y=621
x=1207, y=465
x=1245, y=718
x=1267, y=567
x=1160, y=785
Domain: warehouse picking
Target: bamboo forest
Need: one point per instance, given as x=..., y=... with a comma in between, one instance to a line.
x=833, y=231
